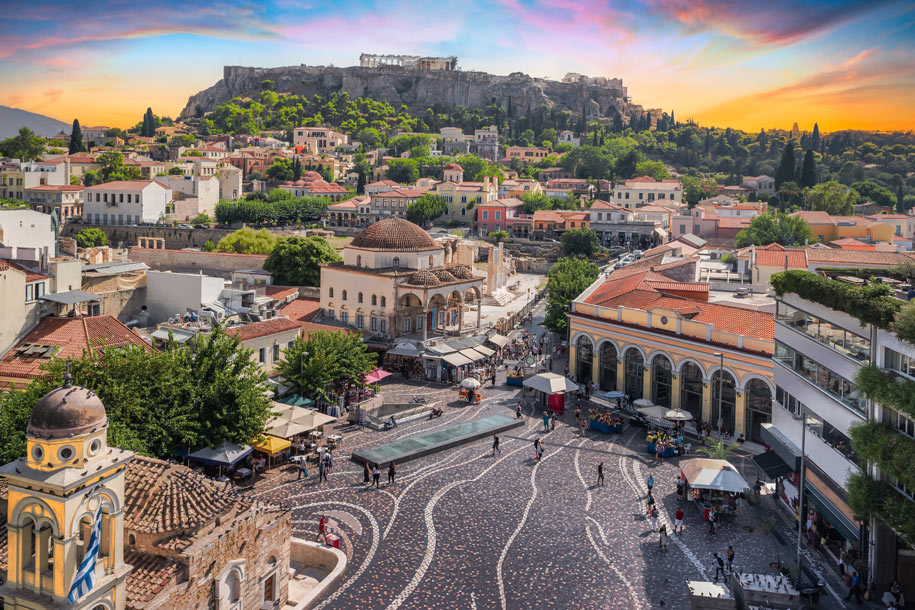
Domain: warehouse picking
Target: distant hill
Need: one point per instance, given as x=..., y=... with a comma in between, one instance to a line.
x=13, y=119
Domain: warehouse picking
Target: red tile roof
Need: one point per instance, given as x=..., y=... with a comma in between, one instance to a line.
x=302, y=309
x=858, y=257
x=263, y=329
x=30, y=276
x=150, y=574
x=280, y=293
x=73, y=336
x=57, y=187
x=774, y=255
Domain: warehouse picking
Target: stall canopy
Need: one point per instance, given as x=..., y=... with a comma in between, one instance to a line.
x=551, y=383
x=772, y=464
x=658, y=412
x=678, y=415
x=484, y=350
x=224, y=455
x=405, y=349
x=720, y=475
x=499, y=340
x=472, y=355
x=308, y=419
x=285, y=428
x=456, y=359
x=376, y=376
x=270, y=444
x=295, y=400
x=439, y=350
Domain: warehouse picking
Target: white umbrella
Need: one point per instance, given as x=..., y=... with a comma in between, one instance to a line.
x=706, y=473
x=470, y=383
x=551, y=383
x=678, y=415
x=286, y=429
x=642, y=402
x=658, y=412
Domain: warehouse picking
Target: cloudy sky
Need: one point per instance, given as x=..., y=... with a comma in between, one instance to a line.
x=750, y=64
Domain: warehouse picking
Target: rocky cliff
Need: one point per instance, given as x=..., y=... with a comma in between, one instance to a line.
x=421, y=89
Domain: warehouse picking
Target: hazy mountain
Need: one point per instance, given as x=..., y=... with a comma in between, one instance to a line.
x=13, y=119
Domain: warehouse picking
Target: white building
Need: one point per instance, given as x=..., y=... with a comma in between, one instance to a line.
x=763, y=185
x=174, y=294
x=67, y=199
x=25, y=235
x=230, y=182
x=126, y=202
x=639, y=191
x=320, y=139
x=568, y=137
x=16, y=177
x=203, y=190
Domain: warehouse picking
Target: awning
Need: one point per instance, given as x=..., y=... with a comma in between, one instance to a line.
x=103, y=269
x=70, y=297
x=499, y=340
x=484, y=350
x=439, y=350
x=781, y=445
x=285, y=428
x=376, y=376
x=551, y=383
x=270, y=444
x=720, y=475
x=472, y=354
x=456, y=359
x=224, y=455
x=848, y=528
x=405, y=349
x=773, y=465
x=295, y=400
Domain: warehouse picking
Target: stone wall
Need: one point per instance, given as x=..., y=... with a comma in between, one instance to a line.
x=421, y=89
x=123, y=236
x=218, y=264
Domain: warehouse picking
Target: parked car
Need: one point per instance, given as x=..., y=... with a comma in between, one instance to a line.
x=201, y=227
x=637, y=254
x=185, y=226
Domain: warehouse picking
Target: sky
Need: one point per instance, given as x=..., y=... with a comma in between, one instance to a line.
x=846, y=64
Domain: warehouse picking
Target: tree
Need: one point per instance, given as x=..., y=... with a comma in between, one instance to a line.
x=655, y=169
x=587, y=162
x=786, y=171
x=267, y=85
x=833, y=198
x=208, y=246
x=315, y=363
x=404, y=171
x=426, y=208
x=76, y=139
x=247, y=241
x=789, y=193
x=808, y=176
x=568, y=278
x=91, y=178
x=25, y=146
x=815, y=138
x=718, y=450
x=696, y=189
x=871, y=191
x=113, y=168
x=776, y=228
x=91, y=238
x=624, y=166
x=201, y=219
x=295, y=260
x=498, y=235
x=535, y=201
x=580, y=242
x=280, y=170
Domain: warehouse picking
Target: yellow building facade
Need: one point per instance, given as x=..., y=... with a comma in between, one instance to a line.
x=666, y=355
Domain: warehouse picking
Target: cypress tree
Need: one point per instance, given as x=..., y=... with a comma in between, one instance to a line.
x=594, y=139
x=673, y=121
x=808, y=170
x=601, y=143
x=786, y=168
x=815, y=138
x=617, y=123
x=76, y=138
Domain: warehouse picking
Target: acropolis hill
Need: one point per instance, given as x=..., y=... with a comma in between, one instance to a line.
x=424, y=82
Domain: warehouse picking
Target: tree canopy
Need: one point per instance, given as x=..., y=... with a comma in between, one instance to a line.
x=279, y=208
x=580, y=242
x=833, y=198
x=568, y=278
x=316, y=363
x=295, y=260
x=76, y=139
x=426, y=208
x=776, y=228
x=248, y=241
x=787, y=166
x=25, y=146
x=91, y=237
x=871, y=191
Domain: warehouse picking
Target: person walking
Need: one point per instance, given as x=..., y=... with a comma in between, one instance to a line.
x=322, y=530
x=376, y=474
x=730, y=559
x=679, y=489
x=711, y=522
x=718, y=564
x=392, y=470
x=322, y=470
x=854, y=588
x=678, y=521
x=366, y=471
x=546, y=420
x=495, y=445
x=649, y=503
x=650, y=483
x=654, y=519
x=552, y=422
x=494, y=378
x=302, y=468
x=662, y=539
x=600, y=474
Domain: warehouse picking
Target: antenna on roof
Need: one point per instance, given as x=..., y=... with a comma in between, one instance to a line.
x=67, y=378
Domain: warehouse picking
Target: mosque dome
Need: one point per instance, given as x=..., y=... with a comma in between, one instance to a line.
x=394, y=234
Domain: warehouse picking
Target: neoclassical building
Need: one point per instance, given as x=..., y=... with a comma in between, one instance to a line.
x=650, y=336
x=395, y=280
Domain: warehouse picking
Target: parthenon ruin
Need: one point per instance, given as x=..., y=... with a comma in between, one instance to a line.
x=415, y=62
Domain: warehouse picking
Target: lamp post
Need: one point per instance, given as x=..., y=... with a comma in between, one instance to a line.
x=800, y=502
x=720, y=393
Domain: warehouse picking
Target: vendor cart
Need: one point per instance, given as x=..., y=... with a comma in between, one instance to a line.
x=714, y=485
x=602, y=420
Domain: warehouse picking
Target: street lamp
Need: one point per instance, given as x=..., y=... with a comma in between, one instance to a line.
x=800, y=502
x=720, y=393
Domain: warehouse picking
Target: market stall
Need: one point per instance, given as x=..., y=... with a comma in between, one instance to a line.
x=470, y=390
x=714, y=485
x=604, y=421
x=223, y=457
x=552, y=389
x=272, y=448
x=670, y=444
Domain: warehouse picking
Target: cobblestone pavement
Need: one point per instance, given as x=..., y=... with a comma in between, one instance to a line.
x=466, y=529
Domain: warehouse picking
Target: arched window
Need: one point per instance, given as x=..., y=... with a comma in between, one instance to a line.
x=330, y=292
x=384, y=302
x=359, y=298
x=585, y=357
x=608, y=365
x=635, y=373
x=430, y=260
x=344, y=295
x=230, y=588
x=374, y=300
x=759, y=408
x=359, y=261
x=395, y=262
x=661, y=378
x=724, y=390
x=691, y=389
x=131, y=540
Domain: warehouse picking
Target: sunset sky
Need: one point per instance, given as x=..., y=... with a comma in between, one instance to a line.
x=845, y=64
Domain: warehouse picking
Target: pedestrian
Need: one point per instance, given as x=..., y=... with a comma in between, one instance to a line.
x=730, y=559
x=659, y=453
x=600, y=474
x=322, y=529
x=650, y=483
x=392, y=470
x=718, y=563
x=551, y=363
x=376, y=474
x=518, y=411
x=567, y=370
x=546, y=421
x=366, y=471
x=711, y=521
x=662, y=539
x=678, y=521
x=495, y=445
x=649, y=503
x=679, y=489
x=330, y=463
x=322, y=470
x=493, y=379
x=854, y=588
x=552, y=421
x=302, y=468
x=654, y=519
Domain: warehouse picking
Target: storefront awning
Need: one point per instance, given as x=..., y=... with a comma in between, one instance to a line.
x=472, y=355
x=456, y=359
x=484, y=350
x=439, y=350
x=499, y=340
x=405, y=349
x=781, y=445
x=773, y=465
x=845, y=526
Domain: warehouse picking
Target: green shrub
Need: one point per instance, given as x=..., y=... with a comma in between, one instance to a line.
x=888, y=390
x=870, y=304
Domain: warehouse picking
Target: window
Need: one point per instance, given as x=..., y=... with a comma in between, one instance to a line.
x=359, y=261
x=29, y=293
x=898, y=362
x=359, y=297
x=498, y=215
x=818, y=375
x=276, y=352
x=394, y=263
x=330, y=314
x=344, y=295
x=384, y=302
x=289, y=344
x=374, y=299
x=485, y=214
x=374, y=323
x=463, y=211
x=903, y=423
x=360, y=320
x=383, y=325
x=330, y=292
x=262, y=355
x=682, y=229
x=344, y=317
x=843, y=341
x=406, y=325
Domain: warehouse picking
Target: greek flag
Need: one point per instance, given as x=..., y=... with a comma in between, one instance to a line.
x=85, y=576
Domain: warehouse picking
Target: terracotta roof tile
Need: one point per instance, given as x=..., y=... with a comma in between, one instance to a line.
x=30, y=276
x=858, y=257
x=263, y=329
x=394, y=234
x=280, y=293
x=150, y=574
x=301, y=309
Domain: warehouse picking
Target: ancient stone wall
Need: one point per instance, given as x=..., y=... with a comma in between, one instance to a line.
x=124, y=236
x=218, y=264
